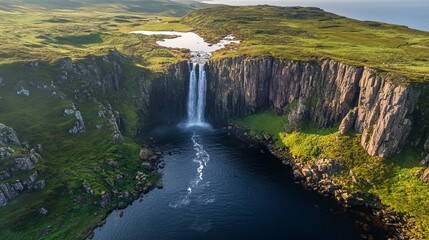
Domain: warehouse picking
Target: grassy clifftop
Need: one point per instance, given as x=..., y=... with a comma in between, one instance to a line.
x=306, y=33
x=38, y=40
x=51, y=30
x=36, y=36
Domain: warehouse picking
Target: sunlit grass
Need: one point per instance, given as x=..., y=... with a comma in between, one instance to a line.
x=393, y=179
x=309, y=33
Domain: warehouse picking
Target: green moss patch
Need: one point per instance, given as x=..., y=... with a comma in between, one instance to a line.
x=394, y=180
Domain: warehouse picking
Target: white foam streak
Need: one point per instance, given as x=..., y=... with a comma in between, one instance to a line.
x=202, y=158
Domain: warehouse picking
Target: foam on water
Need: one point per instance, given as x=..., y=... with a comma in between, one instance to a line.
x=201, y=158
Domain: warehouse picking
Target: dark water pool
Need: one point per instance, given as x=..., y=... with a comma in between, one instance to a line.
x=217, y=188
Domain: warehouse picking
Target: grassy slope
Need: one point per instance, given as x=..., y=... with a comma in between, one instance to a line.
x=392, y=179
x=69, y=160
x=31, y=33
x=77, y=30
x=47, y=34
x=306, y=33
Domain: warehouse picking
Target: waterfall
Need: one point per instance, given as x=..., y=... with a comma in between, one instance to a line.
x=202, y=88
x=197, y=94
x=192, y=94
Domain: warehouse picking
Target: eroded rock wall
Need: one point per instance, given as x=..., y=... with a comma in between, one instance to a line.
x=324, y=91
x=168, y=95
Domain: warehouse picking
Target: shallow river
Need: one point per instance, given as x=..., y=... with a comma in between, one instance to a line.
x=215, y=187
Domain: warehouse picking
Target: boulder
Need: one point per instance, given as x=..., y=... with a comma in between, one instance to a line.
x=6, y=152
x=425, y=160
x=297, y=174
x=39, y=148
x=119, y=177
x=8, y=136
x=39, y=185
x=144, y=154
x=306, y=172
x=348, y=121
x=3, y=199
x=43, y=211
x=17, y=186
x=79, y=125
x=105, y=199
x=147, y=166
x=28, y=183
x=113, y=164
x=23, y=163
x=425, y=176
x=4, y=174
x=353, y=176
x=8, y=191
x=88, y=189
x=33, y=177
x=34, y=156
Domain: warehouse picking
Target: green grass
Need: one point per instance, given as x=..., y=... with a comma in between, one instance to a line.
x=46, y=32
x=296, y=33
x=393, y=179
x=70, y=160
x=257, y=124
x=49, y=33
x=51, y=30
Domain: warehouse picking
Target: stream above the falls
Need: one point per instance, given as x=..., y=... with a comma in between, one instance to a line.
x=216, y=187
x=200, y=49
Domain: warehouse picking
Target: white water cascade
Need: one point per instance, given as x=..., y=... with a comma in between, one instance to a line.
x=197, y=94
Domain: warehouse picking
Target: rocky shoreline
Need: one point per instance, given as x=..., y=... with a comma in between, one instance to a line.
x=150, y=155
x=316, y=175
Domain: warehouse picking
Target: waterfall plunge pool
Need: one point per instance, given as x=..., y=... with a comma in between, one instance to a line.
x=215, y=187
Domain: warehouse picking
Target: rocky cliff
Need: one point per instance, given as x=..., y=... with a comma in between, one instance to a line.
x=324, y=91
x=168, y=95
x=15, y=158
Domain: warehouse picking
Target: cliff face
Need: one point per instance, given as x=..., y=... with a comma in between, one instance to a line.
x=168, y=95
x=323, y=91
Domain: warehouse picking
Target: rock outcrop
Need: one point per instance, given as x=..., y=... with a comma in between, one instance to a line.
x=8, y=136
x=425, y=176
x=323, y=91
x=348, y=121
x=24, y=162
x=9, y=191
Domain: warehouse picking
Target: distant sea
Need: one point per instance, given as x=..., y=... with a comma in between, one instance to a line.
x=411, y=13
